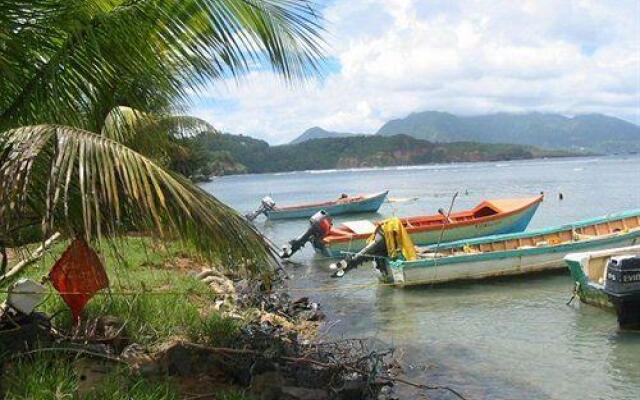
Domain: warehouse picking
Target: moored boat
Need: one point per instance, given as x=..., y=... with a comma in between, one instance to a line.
x=341, y=206
x=490, y=217
x=513, y=254
x=609, y=279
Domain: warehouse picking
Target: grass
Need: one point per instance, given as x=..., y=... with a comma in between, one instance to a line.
x=46, y=377
x=49, y=377
x=142, y=266
x=150, y=318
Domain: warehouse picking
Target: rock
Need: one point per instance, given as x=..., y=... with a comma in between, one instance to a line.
x=111, y=330
x=205, y=273
x=386, y=393
x=302, y=300
x=90, y=374
x=300, y=393
x=24, y=332
x=311, y=315
x=267, y=385
x=352, y=390
x=261, y=366
x=133, y=352
x=178, y=358
x=220, y=285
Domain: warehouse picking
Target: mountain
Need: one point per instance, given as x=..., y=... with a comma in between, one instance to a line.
x=591, y=132
x=319, y=133
x=230, y=154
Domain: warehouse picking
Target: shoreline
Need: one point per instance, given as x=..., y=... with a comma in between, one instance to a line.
x=248, y=337
x=425, y=166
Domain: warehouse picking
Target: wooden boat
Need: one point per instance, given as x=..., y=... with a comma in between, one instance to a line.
x=601, y=279
x=513, y=254
x=487, y=218
x=341, y=206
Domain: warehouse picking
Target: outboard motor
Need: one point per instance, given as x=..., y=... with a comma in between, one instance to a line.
x=266, y=204
x=622, y=286
x=378, y=247
x=319, y=225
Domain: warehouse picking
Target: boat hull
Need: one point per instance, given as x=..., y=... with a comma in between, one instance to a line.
x=516, y=222
x=589, y=270
x=499, y=263
x=369, y=204
x=587, y=292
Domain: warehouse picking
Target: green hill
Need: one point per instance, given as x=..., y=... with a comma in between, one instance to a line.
x=228, y=154
x=319, y=133
x=591, y=132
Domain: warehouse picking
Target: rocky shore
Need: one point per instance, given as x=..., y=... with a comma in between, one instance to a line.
x=278, y=352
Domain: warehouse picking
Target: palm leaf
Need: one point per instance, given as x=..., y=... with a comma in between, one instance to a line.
x=153, y=135
x=73, y=61
x=81, y=183
x=126, y=125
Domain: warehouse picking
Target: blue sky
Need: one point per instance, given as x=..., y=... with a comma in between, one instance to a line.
x=388, y=58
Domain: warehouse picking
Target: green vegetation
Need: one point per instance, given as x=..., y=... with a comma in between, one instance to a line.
x=319, y=133
x=184, y=310
x=52, y=377
x=592, y=132
x=91, y=97
x=140, y=265
x=256, y=156
x=89, y=112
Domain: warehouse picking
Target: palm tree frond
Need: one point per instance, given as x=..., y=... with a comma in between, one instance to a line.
x=81, y=183
x=72, y=61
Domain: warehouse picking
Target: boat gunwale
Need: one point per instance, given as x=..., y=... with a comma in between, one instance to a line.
x=360, y=199
x=539, y=232
x=513, y=253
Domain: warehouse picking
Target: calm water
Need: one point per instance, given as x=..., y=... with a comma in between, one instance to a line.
x=506, y=339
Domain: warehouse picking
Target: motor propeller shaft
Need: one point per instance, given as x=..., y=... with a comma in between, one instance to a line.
x=319, y=226
x=266, y=204
x=376, y=248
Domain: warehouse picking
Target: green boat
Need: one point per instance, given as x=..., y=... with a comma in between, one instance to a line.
x=609, y=279
x=512, y=254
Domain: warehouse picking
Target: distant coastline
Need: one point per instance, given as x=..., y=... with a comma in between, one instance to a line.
x=226, y=154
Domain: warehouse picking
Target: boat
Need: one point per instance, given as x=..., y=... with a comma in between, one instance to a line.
x=512, y=254
x=609, y=279
x=368, y=203
x=487, y=218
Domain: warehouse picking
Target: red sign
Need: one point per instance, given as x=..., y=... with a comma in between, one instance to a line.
x=78, y=275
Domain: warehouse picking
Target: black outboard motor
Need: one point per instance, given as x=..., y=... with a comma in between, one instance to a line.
x=319, y=225
x=622, y=286
x=266, y=204
x=377, y=248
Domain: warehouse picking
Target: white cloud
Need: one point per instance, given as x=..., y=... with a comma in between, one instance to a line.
x=467, y=57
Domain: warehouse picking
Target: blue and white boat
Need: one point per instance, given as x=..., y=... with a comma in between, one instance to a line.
x=369, y=203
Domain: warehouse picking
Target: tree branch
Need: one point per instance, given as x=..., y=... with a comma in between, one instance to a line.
x=31, y=259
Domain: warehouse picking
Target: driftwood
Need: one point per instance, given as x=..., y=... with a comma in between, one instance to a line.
x=32, y=258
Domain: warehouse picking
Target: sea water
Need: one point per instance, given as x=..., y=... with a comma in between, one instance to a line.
x=503, y=339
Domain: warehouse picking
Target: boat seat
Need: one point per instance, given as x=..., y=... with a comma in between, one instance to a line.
x=595, y=269
x=582, y=236
x=360, y=227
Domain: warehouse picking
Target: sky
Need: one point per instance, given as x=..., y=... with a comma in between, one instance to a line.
x=389, y=58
